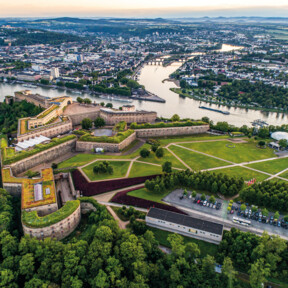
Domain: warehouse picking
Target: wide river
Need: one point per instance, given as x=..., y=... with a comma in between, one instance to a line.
x=151, y=77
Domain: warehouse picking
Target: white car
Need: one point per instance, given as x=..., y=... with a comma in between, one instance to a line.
x=205, y=202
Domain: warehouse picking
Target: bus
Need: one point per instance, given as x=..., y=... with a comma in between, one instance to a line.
x=240, y=221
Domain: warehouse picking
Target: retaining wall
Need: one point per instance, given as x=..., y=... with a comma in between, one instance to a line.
x=171, y=131
x=83, y=146
x=42, y=157
x=58, y=230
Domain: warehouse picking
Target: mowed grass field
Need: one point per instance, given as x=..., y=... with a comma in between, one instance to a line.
x=243, y=152
x=195, y=160
x=284, y=175
x=238, y=172
x=196, y=137
x=167, y=157
x=120, y=170
x=272, y=166
x=142, y=169
x=145, y=194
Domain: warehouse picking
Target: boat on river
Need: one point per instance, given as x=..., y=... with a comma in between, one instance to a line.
x=215, y=110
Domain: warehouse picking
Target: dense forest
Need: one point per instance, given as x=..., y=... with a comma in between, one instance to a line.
x=205, y=181
x=103, y=256
x=32, y=37
x=269, y=194
x=10, y=113
x=248, y=93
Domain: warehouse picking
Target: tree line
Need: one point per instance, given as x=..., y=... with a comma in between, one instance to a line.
x=211, y=182
x=273, y=195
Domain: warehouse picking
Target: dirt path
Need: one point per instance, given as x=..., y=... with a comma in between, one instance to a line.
x=121, y=224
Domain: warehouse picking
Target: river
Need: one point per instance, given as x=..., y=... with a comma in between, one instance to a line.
x=151, y=77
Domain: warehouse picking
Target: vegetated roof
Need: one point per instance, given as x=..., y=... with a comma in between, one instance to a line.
x=31, y=219
x=28, y=197
x=187, y=221
x=279, y=135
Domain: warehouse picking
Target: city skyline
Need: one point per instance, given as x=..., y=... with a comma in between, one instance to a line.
x=149, y=8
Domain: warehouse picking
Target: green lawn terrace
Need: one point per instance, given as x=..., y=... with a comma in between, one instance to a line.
x=243, y=172
x=272, y=166
x=120, y=169
x=195, y=160
x=233, y=152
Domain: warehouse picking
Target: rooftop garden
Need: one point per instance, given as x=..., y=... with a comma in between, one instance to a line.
x=23, y=126
x=118, y=138
x=167, y=125
x=120, y=127
x=47, y=111
x=31, y=219
x=37, y=149
x=3, y=145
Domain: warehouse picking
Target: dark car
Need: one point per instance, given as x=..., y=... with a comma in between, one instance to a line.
x=181, y=197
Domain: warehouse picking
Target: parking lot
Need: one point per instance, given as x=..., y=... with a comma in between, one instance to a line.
x=176, y=198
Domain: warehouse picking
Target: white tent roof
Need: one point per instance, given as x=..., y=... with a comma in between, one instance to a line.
x=31, y=142
x=279, y=135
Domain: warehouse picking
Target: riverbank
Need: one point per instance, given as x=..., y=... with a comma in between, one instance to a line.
x=262, y=109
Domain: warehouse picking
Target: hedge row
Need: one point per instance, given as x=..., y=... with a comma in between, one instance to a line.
x=38, y=148
x=123, y=198
x=106, y=139
x=134, y=125
x=31, y=219
x=95, y=188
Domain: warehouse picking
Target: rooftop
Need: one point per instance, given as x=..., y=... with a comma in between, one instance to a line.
x=35, y=192
x=186, y=221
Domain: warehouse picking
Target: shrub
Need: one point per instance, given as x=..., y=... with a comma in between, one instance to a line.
x=159, y=152
x=144, y=153
x=86, y=123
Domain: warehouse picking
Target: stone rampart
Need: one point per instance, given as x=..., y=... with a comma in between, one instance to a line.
x=58, y=230
x=171, y=131
x=42, y=157
x=83, y=146
x=77, y=118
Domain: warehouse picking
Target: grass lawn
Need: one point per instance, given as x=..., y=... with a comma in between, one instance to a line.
x=141, y=169
x=145, y=194
x=120, y=170
x=83, y=158
x=167, y=157
x=284, y=175
x=243, y=152
x=272, y=167
x=195, y=160
x=247, y=174
x=198, y=137
x=205, y=247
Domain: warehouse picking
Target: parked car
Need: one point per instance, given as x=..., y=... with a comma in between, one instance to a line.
x=279, y=223
x=198, y=201
x=205, y=202
x=232, y=212
x=271, y=220
x=181, y=197
x=211, y=205
x=201, y=202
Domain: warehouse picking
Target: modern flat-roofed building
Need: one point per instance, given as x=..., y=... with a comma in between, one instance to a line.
x=185, y=225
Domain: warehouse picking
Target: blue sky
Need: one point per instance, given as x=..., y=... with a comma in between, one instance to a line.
x=143, y=8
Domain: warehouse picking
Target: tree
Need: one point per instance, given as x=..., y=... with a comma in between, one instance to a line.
x=263, y=133
x=265, y=212
x=243, y=207
x=167, y=167
x=261, y=143
x=212, y=199
x=144, y=153
x=109, y=105
x=86, y=123
x=79, y=100
x=159, y=152
x=175, y=118
x=26, y=265
x=194, y=194
x=229, y=271
x=258, y=273
x=214, y=187
x=283, y=143
x=154, y=147
x=87, y=101
x=203, y=197
x=99, y=122
x=54, y=165
x=102, y=104
x=276, y=215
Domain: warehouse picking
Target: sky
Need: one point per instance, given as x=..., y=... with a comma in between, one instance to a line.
x=143, y=8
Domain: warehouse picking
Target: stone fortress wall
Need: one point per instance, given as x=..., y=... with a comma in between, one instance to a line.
x=36, y=99
x=49, y=131
x=42, y=157
x=83, y=146
x=58, y=230
x=171, y=131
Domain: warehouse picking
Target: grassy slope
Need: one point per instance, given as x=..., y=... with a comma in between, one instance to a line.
x=195, y=160
x=272, y=167
x=247, y=174
x=140, y=169
x=243, y=152
x=120, y=170
x=145, y=194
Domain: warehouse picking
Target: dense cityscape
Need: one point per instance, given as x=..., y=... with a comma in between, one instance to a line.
x=144, y=152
